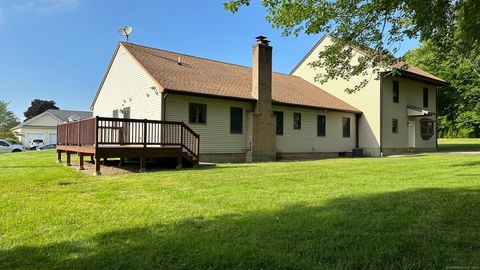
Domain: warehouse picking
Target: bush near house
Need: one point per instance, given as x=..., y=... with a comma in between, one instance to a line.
x=410, y=212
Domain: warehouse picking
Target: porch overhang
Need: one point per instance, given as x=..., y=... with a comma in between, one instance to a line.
x=413, y=111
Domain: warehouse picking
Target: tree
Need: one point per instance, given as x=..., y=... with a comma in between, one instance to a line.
x=378, y=26
x=39, y=106
x=7, y=121
x=459, y=102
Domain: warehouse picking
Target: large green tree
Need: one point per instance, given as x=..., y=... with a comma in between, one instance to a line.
x=39, y=106
x=379, y=25
x=7, y=121
x=459, y=102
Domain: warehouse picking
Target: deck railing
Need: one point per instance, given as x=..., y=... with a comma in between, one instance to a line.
x=105, y=131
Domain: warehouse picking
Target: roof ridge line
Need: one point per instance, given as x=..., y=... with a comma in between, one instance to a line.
x=199, y=57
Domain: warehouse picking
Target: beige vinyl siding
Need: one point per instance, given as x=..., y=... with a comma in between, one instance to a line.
x=127, y=84
x=366, y=100
x=411, y=94
x=305, y=140
x=44, y=120
x=215, y=136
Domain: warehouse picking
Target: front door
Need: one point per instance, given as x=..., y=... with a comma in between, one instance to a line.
x=126, y=126
x=411, y=134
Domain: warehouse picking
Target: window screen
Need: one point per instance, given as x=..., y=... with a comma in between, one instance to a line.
x=321, y=125
x=346, y=127
x=236, y=120
x=279, y=117
x=198, y=113
x=297, y=120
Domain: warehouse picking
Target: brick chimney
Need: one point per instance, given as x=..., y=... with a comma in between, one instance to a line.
x=261, y=135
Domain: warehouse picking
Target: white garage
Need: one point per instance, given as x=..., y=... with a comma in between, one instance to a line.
x=44, y=125
x=33, y=136
x=52, y=139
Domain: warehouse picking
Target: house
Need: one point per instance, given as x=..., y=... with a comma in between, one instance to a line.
x=44, y=125
x=398, y=112
x=241, y=113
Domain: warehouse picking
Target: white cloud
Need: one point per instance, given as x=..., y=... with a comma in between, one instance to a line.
x=48, y=5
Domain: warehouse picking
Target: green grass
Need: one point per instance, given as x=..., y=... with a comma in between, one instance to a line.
x=380, y=213
x=459, y=144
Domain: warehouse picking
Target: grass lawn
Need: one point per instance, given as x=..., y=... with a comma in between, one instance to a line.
x=459, y=144
x=381, y=213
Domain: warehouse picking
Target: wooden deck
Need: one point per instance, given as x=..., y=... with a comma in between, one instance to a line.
x=103, y=137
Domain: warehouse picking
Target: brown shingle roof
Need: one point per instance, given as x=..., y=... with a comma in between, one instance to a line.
x=209, y=77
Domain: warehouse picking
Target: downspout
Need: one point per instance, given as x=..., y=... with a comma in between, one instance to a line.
x=381, y=116
x=163, y=105
x=357, y=135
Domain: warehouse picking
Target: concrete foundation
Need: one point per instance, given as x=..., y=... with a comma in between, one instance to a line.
x=398, y=151
x=223, y=158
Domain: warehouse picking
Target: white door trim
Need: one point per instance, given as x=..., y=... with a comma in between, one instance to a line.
x=411, y=134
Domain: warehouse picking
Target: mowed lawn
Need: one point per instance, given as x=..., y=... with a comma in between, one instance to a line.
x=467, y=144
x=420, y=211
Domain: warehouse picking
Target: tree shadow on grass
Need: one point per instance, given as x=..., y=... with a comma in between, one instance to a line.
x=426, y=228
x=472, y=163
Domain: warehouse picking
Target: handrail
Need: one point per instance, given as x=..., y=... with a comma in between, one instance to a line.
x=99, y=131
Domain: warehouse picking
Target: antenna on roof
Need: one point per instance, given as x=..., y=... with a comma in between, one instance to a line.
x=125, y=31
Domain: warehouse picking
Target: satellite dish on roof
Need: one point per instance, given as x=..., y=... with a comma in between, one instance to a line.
x=125, y=31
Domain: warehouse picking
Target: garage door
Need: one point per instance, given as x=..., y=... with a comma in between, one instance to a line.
x=52, y=138
x=32, y=136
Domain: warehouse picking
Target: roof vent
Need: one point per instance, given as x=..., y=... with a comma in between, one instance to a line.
x=262, y=40
x=179, y=60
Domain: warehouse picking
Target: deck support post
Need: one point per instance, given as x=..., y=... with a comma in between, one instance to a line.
x=69, y=159
x=105, y=160
x=80, y=162
x=142, y=165
x=59, y=156
x=97, y=166
x=92, y=160
x=120, y=164
x=179, y=162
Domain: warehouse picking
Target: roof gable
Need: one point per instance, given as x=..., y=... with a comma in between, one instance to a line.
x=410, y=69
x=53, y=117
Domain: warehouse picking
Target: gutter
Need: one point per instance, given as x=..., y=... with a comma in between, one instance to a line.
x=381, y=116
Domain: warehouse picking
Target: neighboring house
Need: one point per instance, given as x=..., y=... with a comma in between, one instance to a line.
x=399, y=113
x=44, y=125
x=241, y=113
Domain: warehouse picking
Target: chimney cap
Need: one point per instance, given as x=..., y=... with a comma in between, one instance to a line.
x=262, y=40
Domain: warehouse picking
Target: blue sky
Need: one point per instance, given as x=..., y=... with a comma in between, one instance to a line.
x=60, y=49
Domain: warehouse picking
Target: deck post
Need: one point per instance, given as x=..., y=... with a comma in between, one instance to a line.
x=142, y=165
x=97, y=165
x=68, y=159
x=105, y=160
x=179, y=162
x=59, y=156
x=80, y=162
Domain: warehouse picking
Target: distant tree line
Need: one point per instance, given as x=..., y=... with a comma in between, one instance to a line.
x=459, y=102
